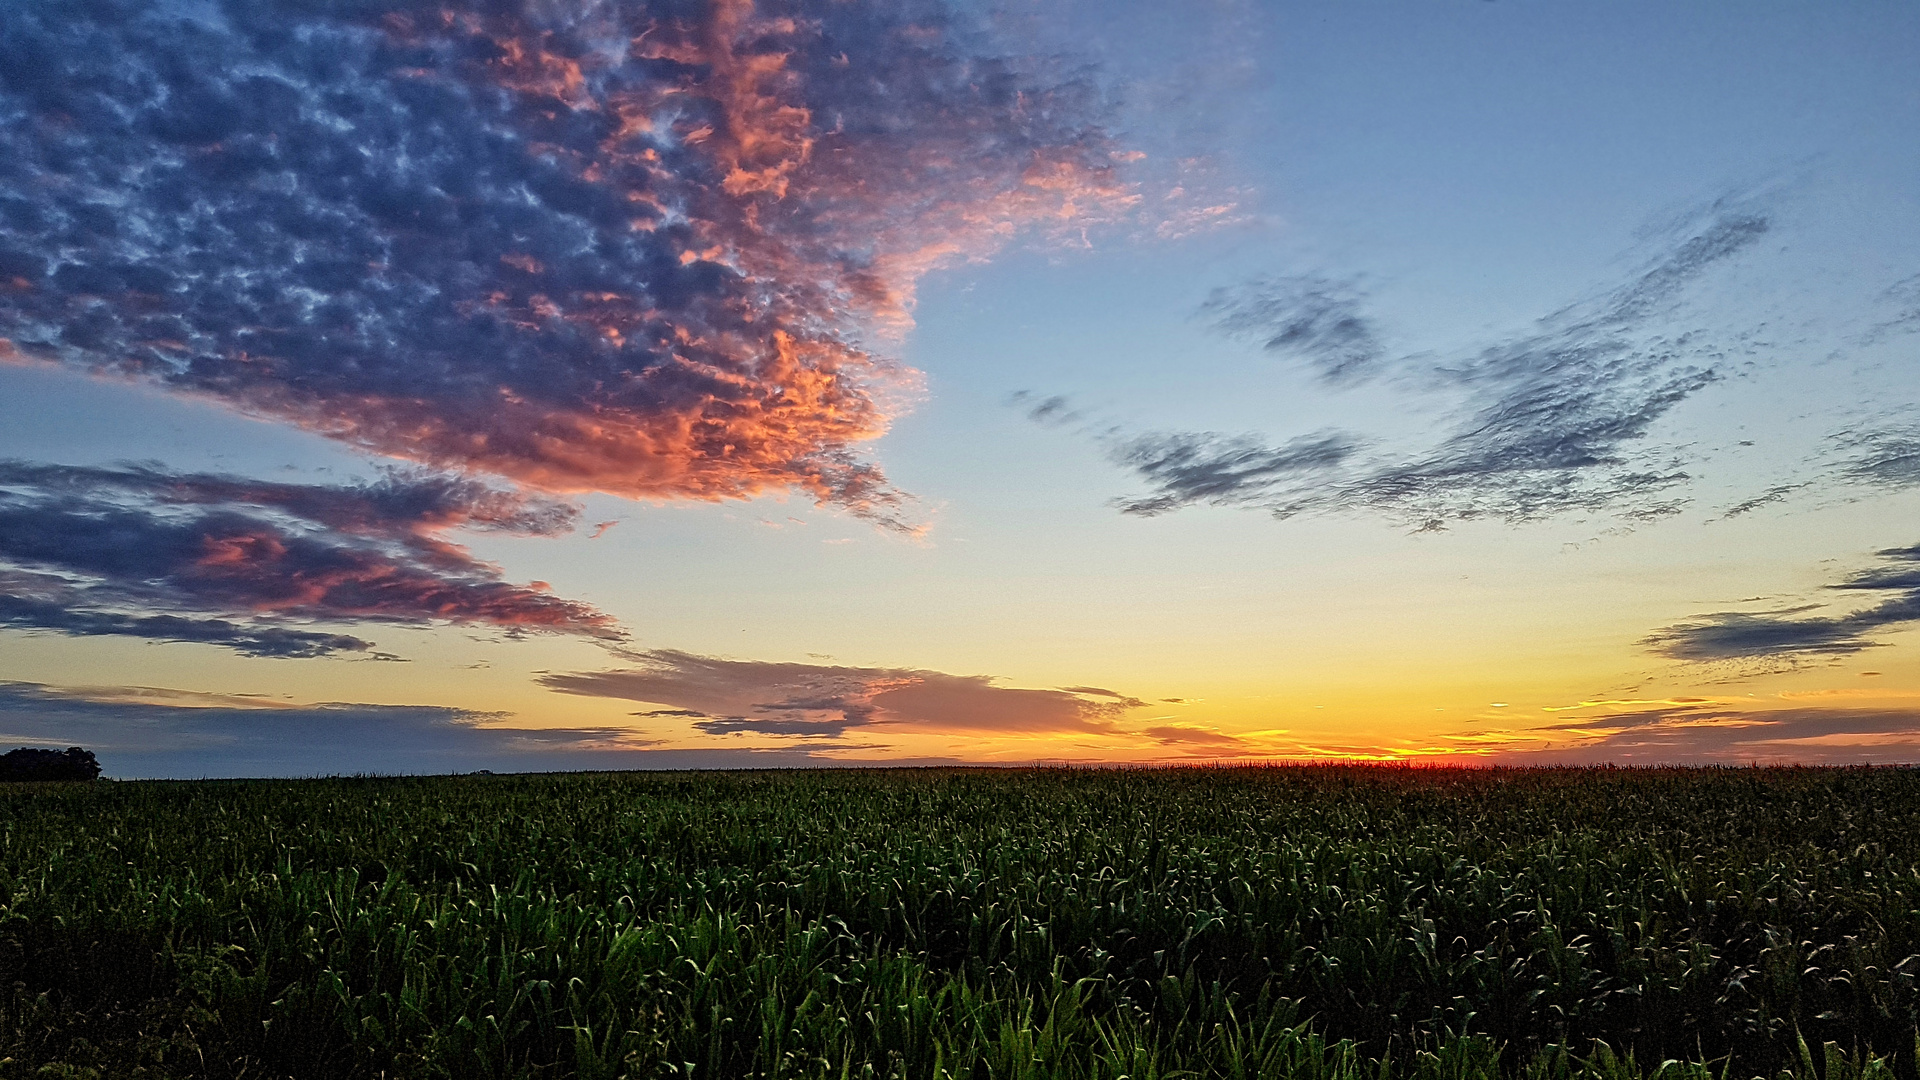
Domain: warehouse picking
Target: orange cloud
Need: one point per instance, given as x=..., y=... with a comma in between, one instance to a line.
x=726, y=697
x=588, y=248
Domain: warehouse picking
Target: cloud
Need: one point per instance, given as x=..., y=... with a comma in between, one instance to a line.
x=1888, y=458
x=825, y=702
x=1054, y=410
x=613, y=247
x=1546, y=422
x=251, y=565
x=1186, y=735
x=141, y=732
x=1313, y=318
x=1734, y=635
x=1191, y=468
x=1128, y=700
x=32, y=613
x=1883, y=454
x=1785, y=635
x=1775, y=494
x=1885, y=458
x=1714, y=734
x=1903, y=300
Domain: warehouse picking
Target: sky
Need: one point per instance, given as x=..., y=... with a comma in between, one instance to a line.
x=400, y=387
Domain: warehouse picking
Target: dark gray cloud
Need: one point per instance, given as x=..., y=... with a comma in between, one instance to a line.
x=141, y=732
x=1708, y=733
x=1314, y=319
x=1789, y=634
x=1888, y=458
x=1736, y=635
x=1190, y=468
x=820, y=701
x=1775, y=494
x=1054, y=411
x=1550, y=421
x=20, y=609
x=625, y=247
x=252, y=566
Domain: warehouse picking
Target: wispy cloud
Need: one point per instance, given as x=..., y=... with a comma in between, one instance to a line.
x=607, y=247
x=1900, y=303
x=1876, y=455
x=1886, y=458
x=1127, y=700
x=251, y=565
x=1789, y=634
x=1190, y=468
x=1549, y=421
x=819, y=701
x=1776, y=494
x=1314, y=319
x=1205, y=740
x=140, y=732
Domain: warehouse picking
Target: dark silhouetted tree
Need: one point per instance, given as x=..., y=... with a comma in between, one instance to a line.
x=27, y=763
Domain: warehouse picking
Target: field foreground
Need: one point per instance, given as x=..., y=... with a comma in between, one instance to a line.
x=1311, y=922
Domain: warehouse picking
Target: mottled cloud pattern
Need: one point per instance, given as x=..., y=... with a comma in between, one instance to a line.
x=826, y=702
x=252, y=565
x=619, y=247
x=1549, y=421
x=1790, y=634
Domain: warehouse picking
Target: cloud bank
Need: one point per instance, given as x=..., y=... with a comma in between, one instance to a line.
x=1549, y=421
x=1789, y=634
x=817, y=701
x=252, y=566
x=618, y=247
x=140, y=732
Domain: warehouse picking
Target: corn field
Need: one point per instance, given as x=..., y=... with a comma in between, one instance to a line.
x=1324, y=922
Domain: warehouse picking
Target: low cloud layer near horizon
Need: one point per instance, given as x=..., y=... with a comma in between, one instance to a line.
x=613, y=247
x=827, y=702
x=1713, y=733
x=146, y=732
x=149, y=733
x=827, y=705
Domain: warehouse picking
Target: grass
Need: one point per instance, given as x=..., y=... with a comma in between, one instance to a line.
x=1314, y=922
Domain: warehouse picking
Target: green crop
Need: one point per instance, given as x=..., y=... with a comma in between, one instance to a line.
x=1333, y=923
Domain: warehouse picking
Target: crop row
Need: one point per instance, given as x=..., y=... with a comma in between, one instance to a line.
x=1311, y=922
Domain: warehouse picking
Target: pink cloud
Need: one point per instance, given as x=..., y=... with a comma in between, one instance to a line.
x=825, y=701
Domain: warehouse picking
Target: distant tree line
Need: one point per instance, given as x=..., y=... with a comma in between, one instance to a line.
x=28, y=763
